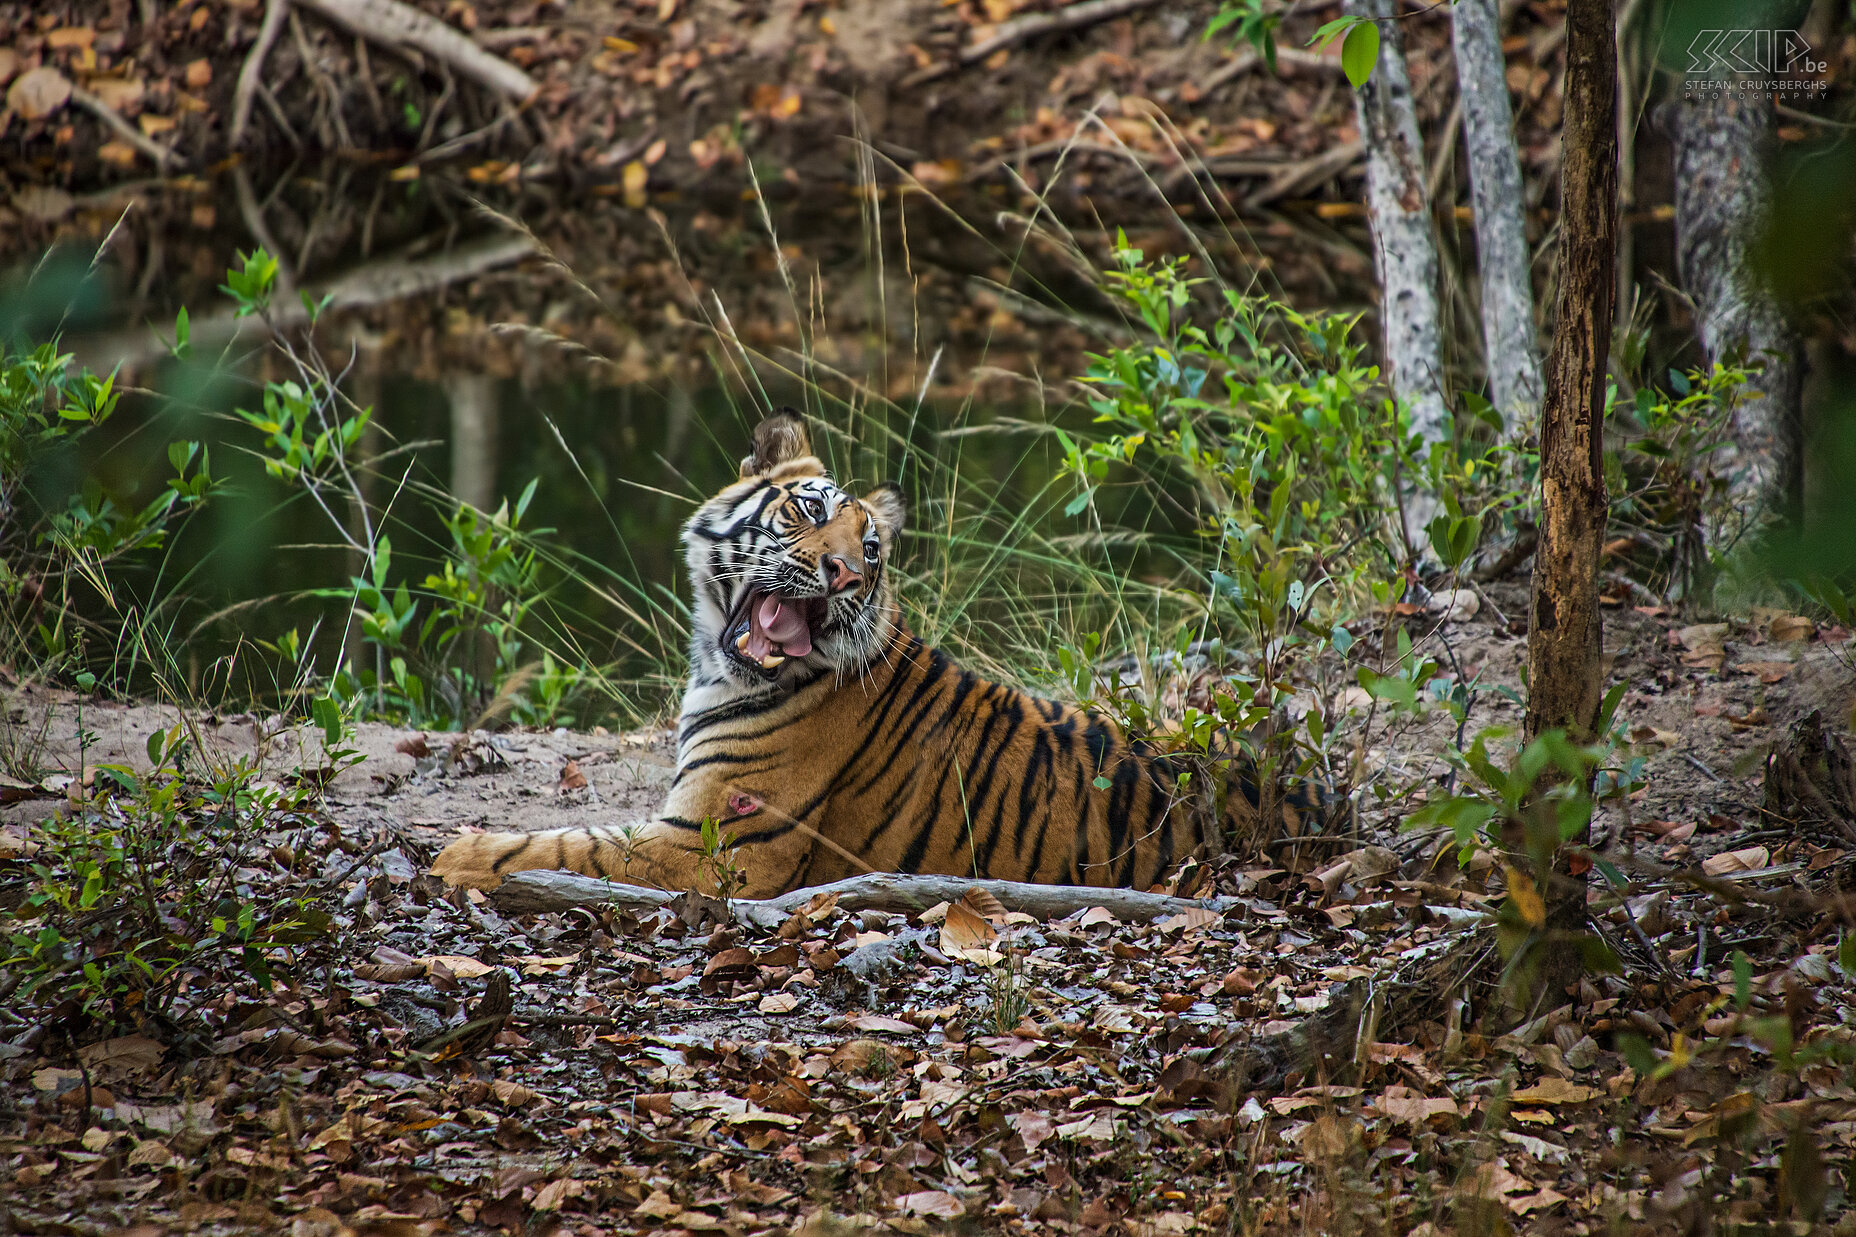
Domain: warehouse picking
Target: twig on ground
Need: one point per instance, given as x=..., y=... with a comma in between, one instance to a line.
x=465, y=141
x=1644, y=595
x=277, y=114
x=1301, y=177
x=1246, y=60
x=565, y=1020
x=325, y=85
x=1011, y=33
x=1070, y=17
x=161, y=155
x=250, y=73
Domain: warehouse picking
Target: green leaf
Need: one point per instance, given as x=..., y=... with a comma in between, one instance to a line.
x=328, y=715
x=157, y=741
x=1331, y=30
x=1638, y=1053
x=1743, y=979
x=1360, y=53
x=1101, y=783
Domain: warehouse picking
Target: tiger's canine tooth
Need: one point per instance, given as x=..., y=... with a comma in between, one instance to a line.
x=771, y=660
x=741, y=642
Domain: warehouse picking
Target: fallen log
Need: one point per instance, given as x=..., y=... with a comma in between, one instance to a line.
x=379, y=282
x=394, y=24
x=538, y=892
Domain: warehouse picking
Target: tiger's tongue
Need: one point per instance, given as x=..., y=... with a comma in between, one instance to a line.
x=782, y=625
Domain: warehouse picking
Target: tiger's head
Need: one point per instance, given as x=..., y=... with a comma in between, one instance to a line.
x=787, y=569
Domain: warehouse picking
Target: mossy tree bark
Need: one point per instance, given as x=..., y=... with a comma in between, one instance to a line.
x=1563, y=643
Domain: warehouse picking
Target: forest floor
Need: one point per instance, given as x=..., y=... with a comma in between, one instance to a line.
x=664, y=1072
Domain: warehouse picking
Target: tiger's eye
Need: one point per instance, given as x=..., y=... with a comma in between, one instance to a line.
x=871, y=550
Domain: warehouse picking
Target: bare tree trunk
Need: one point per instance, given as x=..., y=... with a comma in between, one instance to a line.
x=1404, y=252
x=473, y=439
x=1723, y=135
x=1509, y=340
x=1563, y=641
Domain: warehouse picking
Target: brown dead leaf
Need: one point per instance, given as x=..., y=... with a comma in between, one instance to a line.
x=514, y=1094
x=1033, y=1127
x=37, y=93
x=571, y=778
x=199, y=74
x=727, y=966
x=658, y=1207
x=1555, y=1090
x=1788, y=627
x=779, y=1003
x=126, y=1052
x=1540, y=1200
x=1193, y=919
x=1768, y=671
x=1746, y=859
x=931, y=1203
x=1331, y=1137
x=414, y=746
x=1241, y=982
x=633, y=180
x=66, y=37
x=1652, y=735
x=119, y=94
x=983, y=904
x=461, y=966
x=1672, y=830
x=1415, y=1110
x=551, y=1196
x=963, y=930
x=1705, y=644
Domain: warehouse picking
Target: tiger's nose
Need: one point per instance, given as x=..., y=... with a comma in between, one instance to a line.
x=843, y=576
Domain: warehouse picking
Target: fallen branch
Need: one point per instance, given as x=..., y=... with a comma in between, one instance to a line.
x=1247, y=60
x=1011, y=33
x=397, y=25
x=161, y=155
x=538, y=892
x=249, y=75
x=1301, y=177
x=373, y=283
x=1071, y=17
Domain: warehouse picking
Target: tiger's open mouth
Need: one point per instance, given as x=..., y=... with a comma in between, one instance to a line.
x=771, y=627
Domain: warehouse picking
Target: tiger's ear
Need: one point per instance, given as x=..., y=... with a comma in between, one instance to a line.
x=779, y=438
x=892, y=513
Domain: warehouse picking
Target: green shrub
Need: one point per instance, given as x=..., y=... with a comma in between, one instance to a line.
x=147, y=878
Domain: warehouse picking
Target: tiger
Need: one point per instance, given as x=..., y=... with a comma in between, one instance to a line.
x=820, y=739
